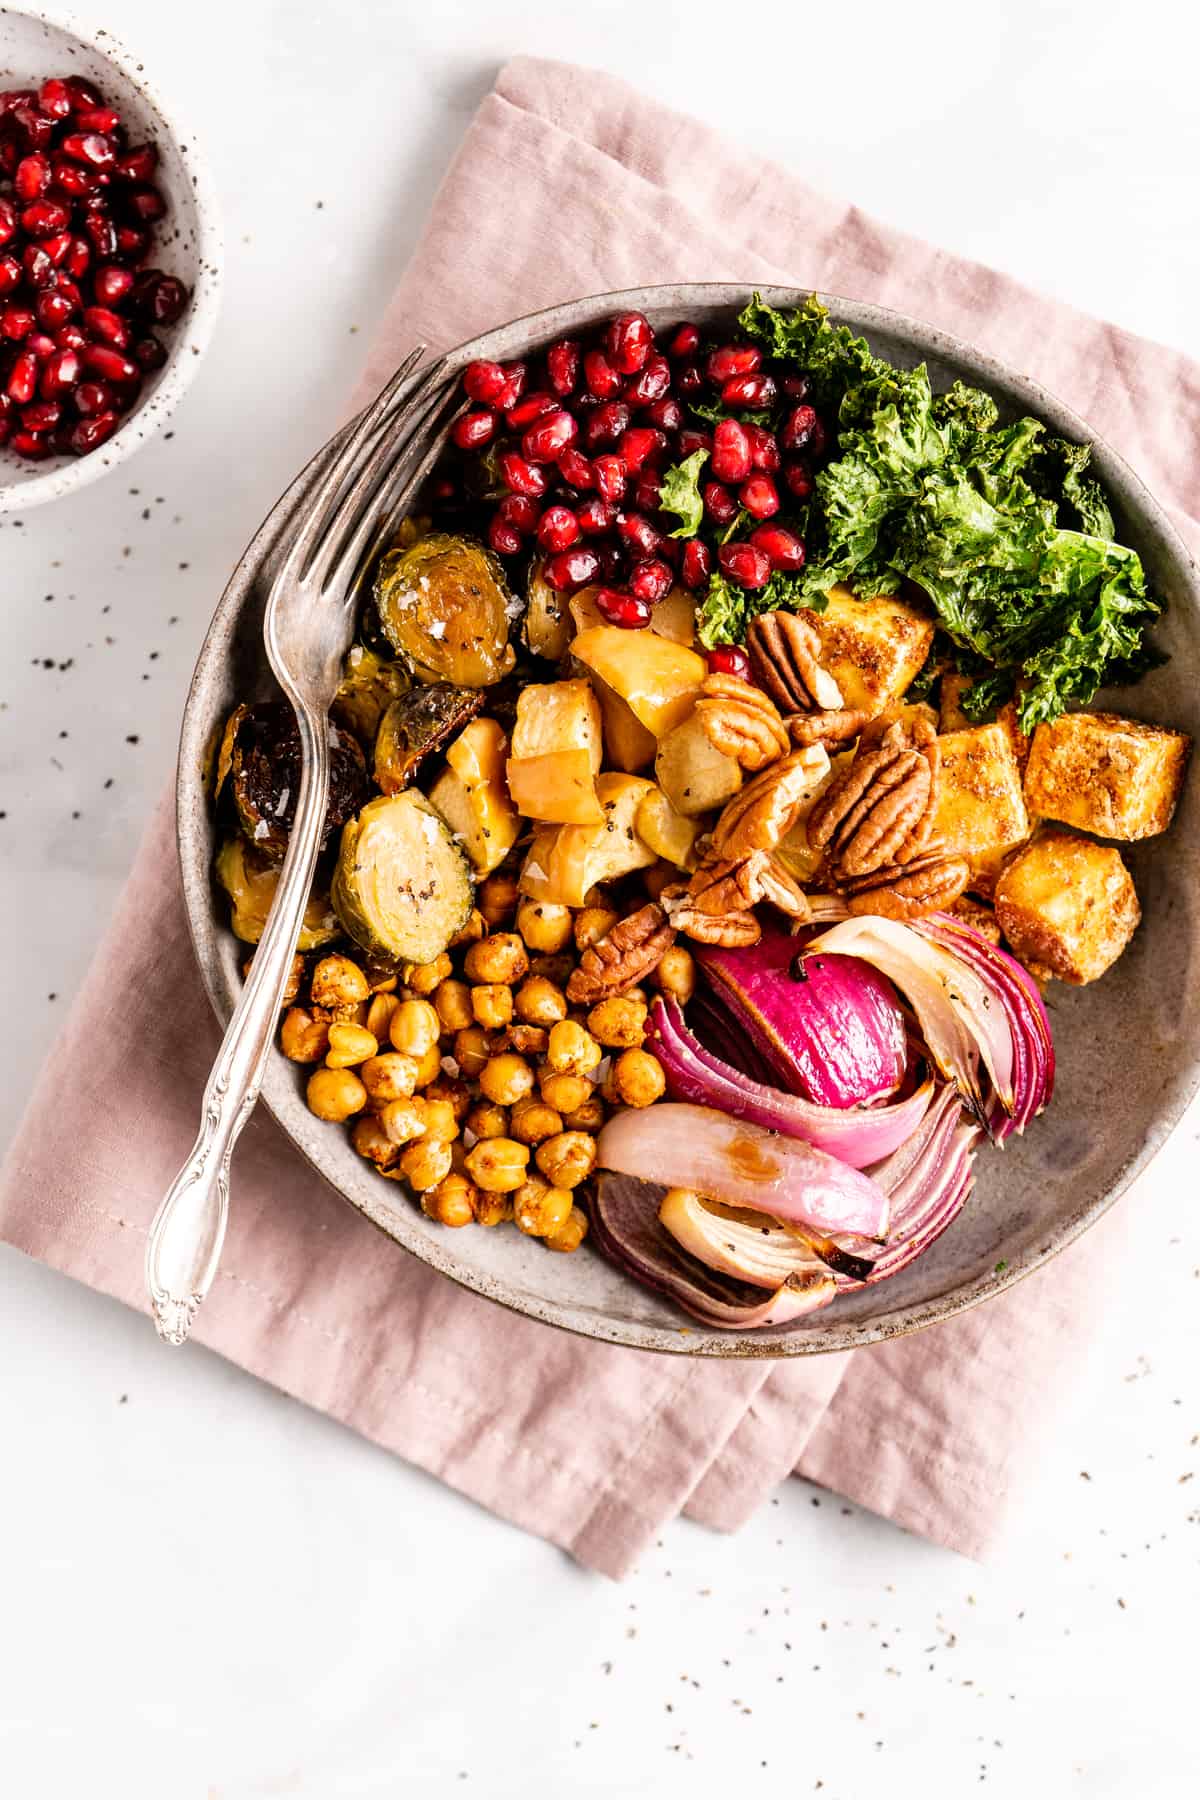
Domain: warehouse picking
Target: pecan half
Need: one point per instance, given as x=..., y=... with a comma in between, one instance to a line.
x=879, y=811
x=765, y=810
x=624, y=957
x=715, y=906
x=929, y=883
x=741, y=721
x=784, y=652
x=836, y=727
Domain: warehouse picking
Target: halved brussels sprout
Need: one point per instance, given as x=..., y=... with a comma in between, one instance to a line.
x=444, y=606
x=370, y=682
x=402, y=887
x=265, y=776
x=250, y=881
x=549, y=625
x=413, y=728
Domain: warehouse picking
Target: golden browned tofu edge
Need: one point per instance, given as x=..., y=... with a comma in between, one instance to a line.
x=1116, y=777
x=1069, y=903
x=873, y=647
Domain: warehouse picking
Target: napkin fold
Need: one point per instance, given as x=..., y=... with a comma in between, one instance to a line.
x=569, y=183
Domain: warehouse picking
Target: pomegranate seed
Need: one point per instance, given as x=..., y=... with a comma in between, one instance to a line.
x=562, y=366
x=748, y=390
x=650, y=383
x=10, y=274
x=647, y=495
x=796, y=432
x=138, y=164
x=651, y=581
x=98, y=118
x=92, y=397
x=729, y=659
x=636, y=530
x=672, y=550
x=132, y=242
x=32, y=177
x=10, y=156
x=516, y=374
x=697, y=564
x=58, y=247
x=521, y=476
x=471, y=432
x=83, y=94
x=764, y=451
x=16, y=322
x=607, y=424
x=149, y=353
x=54, y=98
x=794, y=386
x=522, y=413
x=689, y=380
x=105, y=326
x=798, y=479
x=14, y=97
x=625, y=610
x=504, y=539
x=759, y=495
x=600, y=376
x=103, y=233
x=78, y=259
x=168, y=300
x=546, y=441
x=574, y=568
x=39, y=270
x=730, y=360
x=8, y=219
x=575, y=468
x=22, y=378
x=665, y=414
x=42, y=415
x=558, y=528
x=638, y=445
x=26, y=444
x=40, y=344
x=70, y=337
x=444, y=492
x=719, y=504
x=612, y=561
x=147, y=204
x=731, y=451
x=74, y=179
x=596, y=516
x=60, y=373
x=90, y=432
x=109, y=363
x=91, y=148
x=745, y=564
x=628, y=341
x=111, y=284
x=38, y=129
x=784, y=548
x=484, y=381
x=691, y=440
x=519, y=511
x=610, y=477
x=685, y=342
x=53, y=309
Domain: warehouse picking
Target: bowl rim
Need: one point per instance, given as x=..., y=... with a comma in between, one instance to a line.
x=279, y=1095
x=188, y=348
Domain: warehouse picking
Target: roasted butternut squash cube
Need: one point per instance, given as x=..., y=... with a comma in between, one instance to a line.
x=695, y=776
x=980, y=809
x=874, y=649
x=670, y=835
x=471, y=795
x=565, y=861
x=1115, y=777
x=1069, y=904
x=556, y=753
x=658, y=679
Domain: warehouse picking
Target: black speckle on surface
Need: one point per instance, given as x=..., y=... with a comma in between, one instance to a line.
x=133, y=738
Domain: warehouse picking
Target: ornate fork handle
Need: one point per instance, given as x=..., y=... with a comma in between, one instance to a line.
x=189, y=1227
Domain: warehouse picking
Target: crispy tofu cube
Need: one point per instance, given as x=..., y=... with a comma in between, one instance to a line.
x=1069, y=904
x=1115, y=777
x=872, y=648
x=980, y=811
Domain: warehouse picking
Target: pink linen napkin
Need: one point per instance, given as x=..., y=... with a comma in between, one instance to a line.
x=569, y=183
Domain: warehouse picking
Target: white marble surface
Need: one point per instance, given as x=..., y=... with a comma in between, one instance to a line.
x=209, y=1591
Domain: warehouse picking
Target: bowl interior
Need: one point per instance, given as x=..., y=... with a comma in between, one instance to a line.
x=1129, y=1048
x=34, y=45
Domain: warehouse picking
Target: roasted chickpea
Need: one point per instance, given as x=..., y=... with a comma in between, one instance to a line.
x=475, y=928
x=423, y=978
x=497, y=897
x=567, y=1159
x=425, y=1163
x=500, y=957
x=372, y=1142
x=565, y=1093
x=675, y=975
x=456, y=1094
x=506, y=1078
x=452, y=1000
x=492, y=1005
x=471, y=1051
x=618, y=1023
x=588, y=1117
x=304, y=1034
x=545, y=926
x=379, y=1014
x=429, y=1066
x=593, y=923
x=638, y=1078
x=414, y=1028
x=336, y=982
x=492, y=1209
x=487, y=1120
x=570, y=1234
x=452, y=1201
x=440, y=1122
x=539, y=1208
x=533, y=1121
x=335, y=1094
x=403, y=1120
x=539, y=1002
x=390, y=1076
x=381, y=979
x=349, y=1045
x=497, y=1165
x=572, y=1050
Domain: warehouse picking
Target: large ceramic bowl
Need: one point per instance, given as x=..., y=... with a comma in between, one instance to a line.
x=1129, y=1048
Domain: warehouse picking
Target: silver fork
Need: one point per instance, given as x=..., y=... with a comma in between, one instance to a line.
x=307, y=628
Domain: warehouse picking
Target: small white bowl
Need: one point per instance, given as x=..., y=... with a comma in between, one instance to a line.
x=35, y=44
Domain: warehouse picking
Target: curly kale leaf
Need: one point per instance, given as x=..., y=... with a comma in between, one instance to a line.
x=679, y=492
x=729, y=610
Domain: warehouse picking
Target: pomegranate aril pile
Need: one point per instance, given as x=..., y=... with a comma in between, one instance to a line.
x=81, y=315
x=560, y=460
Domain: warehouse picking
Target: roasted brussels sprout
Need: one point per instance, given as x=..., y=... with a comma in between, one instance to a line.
x=413, y=728
x=250, y=881
x=402, y=887
x=443, y=605
x=370, y=682
x=549, y=627
x=264, y=774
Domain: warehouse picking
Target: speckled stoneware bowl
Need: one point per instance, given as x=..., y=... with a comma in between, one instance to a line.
x=187, y=242
x=1128, y=1049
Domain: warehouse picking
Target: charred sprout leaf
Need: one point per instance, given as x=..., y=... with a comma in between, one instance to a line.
x=402, y=887
x=370, y=682
x=250, y=881
x=414, y=727
x=679, y=492
x=225, y=753
x=265, y=777
x=444, y=606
